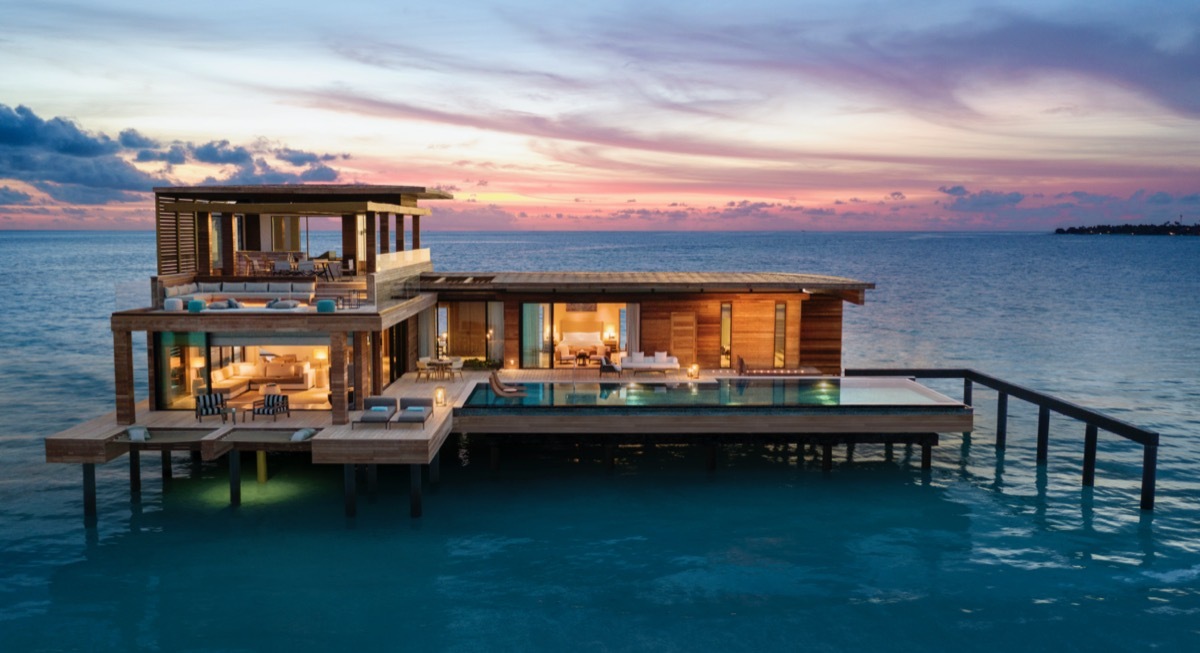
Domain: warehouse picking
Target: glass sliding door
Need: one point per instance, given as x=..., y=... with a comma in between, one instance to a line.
x=536, y=343
x=726, y=335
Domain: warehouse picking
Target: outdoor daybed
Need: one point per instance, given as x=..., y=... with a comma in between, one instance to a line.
x=639, y=362
x=255, y=291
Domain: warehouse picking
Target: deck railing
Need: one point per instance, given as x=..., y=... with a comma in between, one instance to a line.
x=1046, y=404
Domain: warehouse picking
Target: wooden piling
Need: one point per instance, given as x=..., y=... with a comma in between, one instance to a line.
x=888, y=452
x=1149, y=471
x=435, y=469
x=260, y=461
x=349, y=481
x=1002, y=420
x=926, y=456
x=968, y=398
x=135, y=470
x=1089, y=456
x=89, y=492
x=712, y=457
x=235, y=478
x=1043, y=434
x=414, y=491
x=167, y=472
x=372, y=479
x=827, y=456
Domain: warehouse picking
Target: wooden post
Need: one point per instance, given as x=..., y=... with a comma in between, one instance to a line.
x=361, y=360
x=203, y=244
x=826, y=456
x=135, y=470
x=337, y=377
x=348, y=477
x=89, y=492
x=260, y=460
x=849, y=452
x=350, y=239
x=1043, y=436
x=416, y=232
x=167, y=472
x=399, y=232
x=376, y=354
x=414, y=491
x=435, y=469
x=926, y=455
x=235, y=477
x=372, y=479
x=1089, y=456
x=384, y=235
x=1002, y=420
x=228, y=245
x=123, y=375
x=1149, y=471
x=967, y=392
x=372, y=237
x=888, y=454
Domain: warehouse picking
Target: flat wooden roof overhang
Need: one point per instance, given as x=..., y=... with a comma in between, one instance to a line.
x=268, y=193
x=467, y=284
x=310, y=209
x=233, y=320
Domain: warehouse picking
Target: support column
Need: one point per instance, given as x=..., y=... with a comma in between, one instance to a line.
x=1002, y=420
x=228, y=245
x=1043, y=436
x=260, y=460
x=135, y=470
x=1149, y=472
x=151, y=370
x=1089, y=456
x=712, y=457
x=167, y=472
x=89, y=492
x=414, y=491
x=399, y=232
x=372, y=239
x=968, y=399
x=888, y=452
x=827, y=456
x=372, y=480
x=123, y=374
x=926, y=455
x=376, y=362
x=435, y=469
x=361, y=361
x=348, y=477
x=337, y=377
x=384, y=235
x=203, y=244
x=350, y=238
x=416, y=229
x=235, y=477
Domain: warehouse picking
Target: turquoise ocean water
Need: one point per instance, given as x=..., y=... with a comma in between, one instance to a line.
x=553, y=552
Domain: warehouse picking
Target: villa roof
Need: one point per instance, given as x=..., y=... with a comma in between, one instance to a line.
x=304, y=193
x=639, y=282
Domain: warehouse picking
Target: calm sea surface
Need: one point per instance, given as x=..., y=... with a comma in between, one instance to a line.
x=553, y=552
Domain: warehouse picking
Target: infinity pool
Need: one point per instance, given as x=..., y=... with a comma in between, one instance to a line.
x=783, y=393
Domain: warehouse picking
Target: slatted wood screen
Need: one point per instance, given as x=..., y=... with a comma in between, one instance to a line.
x=683, y=337
x=176, y=234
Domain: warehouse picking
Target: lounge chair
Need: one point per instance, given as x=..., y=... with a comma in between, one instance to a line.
x=456, y=367
x=503, y=390
x=307, y=268
x=423, y=369
x=283, y=267
x=271, y=405
x=211, y=404
x=414, y=410
x=608, y=367
x=377, y=410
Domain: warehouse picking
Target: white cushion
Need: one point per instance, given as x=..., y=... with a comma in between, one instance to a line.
x=250, y=286
x=233, y=286
x=210, y=286
x=637, y=357
x=279, y=369
x=219, y=375
x=276, y=286
x=660, y=357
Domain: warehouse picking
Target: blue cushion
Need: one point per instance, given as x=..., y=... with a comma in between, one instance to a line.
x=195, y=306
x=419, y=409
x=381, y=409
x=326, y=306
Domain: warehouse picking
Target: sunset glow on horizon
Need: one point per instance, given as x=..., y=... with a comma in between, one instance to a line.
x=767, y=115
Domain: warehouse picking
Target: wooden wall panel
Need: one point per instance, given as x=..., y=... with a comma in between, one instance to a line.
x=754, y=332
x=683, y=337
x=821, y=334
x=414, y=344
x=753, y=327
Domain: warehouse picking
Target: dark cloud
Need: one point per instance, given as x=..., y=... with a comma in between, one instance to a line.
x=258, y=171
x=177, y=154
x=1084, y=197
x=1160, y=198
x=954, y=191
x=303, y=158
x=12, y=196
x=896, y=196
x=21, y=128
x=134, y=140
x=984, y=200
x=78, y=194
x=223, y=153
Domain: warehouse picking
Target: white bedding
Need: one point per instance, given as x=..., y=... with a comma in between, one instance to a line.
x=581, y=339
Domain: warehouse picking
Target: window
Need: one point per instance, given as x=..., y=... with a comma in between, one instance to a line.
x=726, y=335
x=780, y=332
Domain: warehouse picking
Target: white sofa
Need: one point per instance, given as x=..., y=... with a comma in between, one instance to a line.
x=209, y=291
x=639, y=362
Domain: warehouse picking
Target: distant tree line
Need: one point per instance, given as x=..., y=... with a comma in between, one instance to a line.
x=1176, y=228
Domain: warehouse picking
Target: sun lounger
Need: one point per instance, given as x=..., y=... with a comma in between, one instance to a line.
x=377, y=410
x=414, y=410
x=503, y=390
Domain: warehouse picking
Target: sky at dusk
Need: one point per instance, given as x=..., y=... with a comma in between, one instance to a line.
x=760, y=114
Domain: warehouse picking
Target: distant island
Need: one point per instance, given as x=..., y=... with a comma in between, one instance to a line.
x=1165, y=229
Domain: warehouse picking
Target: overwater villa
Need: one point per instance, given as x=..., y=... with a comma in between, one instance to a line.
x=372, y=357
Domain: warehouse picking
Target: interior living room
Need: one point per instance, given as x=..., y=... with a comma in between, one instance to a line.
x=242, y=372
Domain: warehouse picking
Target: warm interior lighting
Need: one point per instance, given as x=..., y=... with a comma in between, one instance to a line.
x=439, y=396
x=198, y=363
x=694, y=371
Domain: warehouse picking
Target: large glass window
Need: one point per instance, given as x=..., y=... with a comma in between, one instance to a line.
x=181, y=369
x=780, y=333
x=726, y=335
x=535, y=335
